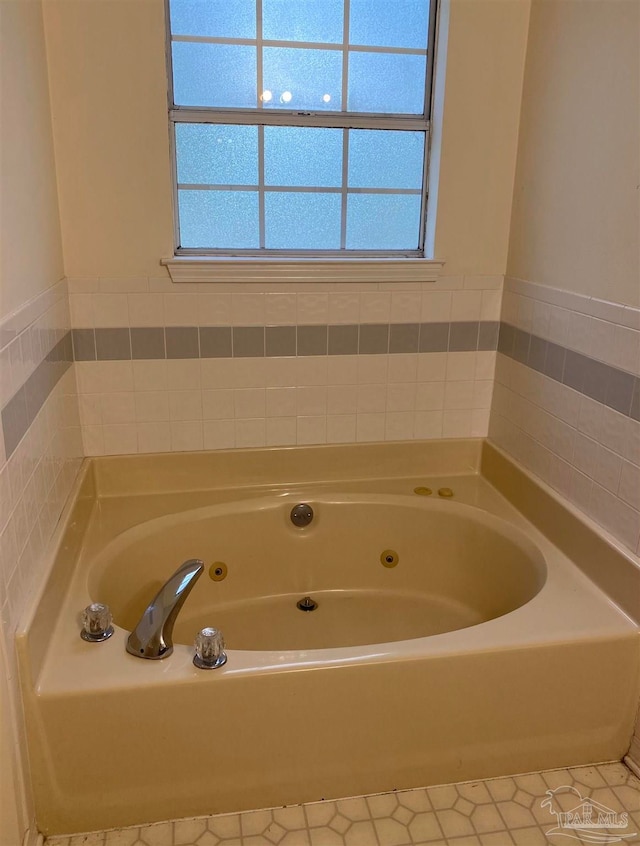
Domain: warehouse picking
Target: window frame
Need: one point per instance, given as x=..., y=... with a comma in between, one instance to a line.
x=192, y=258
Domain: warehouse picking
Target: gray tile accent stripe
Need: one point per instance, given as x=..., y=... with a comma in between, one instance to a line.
x=434, y=337
x=404, y=337
x=113, y=344
x=280, y=340
x=23, y=407
x=373, y=339
x=158, y=342
x=463, y=336
x=311, y=340
x=84, y=344
x=215, y=342
x=248, y=341
x=343, y=339
x=147, y=342
x=181, y=342
x=602, y=382
x=488, y=335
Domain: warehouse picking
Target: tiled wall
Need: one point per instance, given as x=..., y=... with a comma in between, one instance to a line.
x=567, y=399
x=236, y=366
x=40, y=447
x=40, y=453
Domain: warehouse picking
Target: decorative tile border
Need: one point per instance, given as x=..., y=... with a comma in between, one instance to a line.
x=23, y=407
x=606, y=331
x=35, y=352
x=188, y=342
x=612, y=386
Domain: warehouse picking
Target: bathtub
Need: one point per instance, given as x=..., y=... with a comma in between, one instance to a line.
x=451, y=641
x=381, y=569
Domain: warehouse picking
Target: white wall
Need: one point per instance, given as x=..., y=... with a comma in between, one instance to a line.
x=30, y=246
x=483, y=86
x=576, y=220
x=108, y=88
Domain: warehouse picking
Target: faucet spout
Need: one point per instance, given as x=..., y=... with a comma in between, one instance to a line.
x=152, y=637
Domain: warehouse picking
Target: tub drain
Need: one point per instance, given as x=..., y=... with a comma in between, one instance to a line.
x=307, y=604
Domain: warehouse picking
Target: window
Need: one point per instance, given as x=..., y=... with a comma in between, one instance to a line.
x=300, y=127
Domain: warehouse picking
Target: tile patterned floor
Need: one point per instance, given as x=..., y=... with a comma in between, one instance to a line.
x=496, y=812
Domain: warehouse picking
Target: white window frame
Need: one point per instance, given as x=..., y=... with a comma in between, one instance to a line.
x=260, y=265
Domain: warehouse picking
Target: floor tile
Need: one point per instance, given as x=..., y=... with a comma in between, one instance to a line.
x=291, y=819
x=224, y=826
x=319, y=813
x=415, y=800
x=529, y=837
x=361, y=834
x=325, y=837
x=185, y=832
x=353, y=809
x=502, y=789
x=425, y=828
x=475, y=792
x=160, y=834
x=296, y=838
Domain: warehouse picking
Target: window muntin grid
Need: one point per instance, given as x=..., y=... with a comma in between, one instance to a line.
x=339, y=184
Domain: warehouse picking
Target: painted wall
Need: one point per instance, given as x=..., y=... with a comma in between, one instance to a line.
x=576, y=203
x=483, y=87
x=40, y=445
x=108, y=88
x=30, y=247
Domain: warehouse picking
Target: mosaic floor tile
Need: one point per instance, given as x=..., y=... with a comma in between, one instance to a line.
x=514, y=811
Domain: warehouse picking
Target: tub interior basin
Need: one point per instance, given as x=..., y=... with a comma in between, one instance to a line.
x=378, y=568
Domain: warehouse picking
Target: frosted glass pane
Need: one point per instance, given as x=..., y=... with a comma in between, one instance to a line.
x=214, y=18
x=385, y=159
x=303, y=157
x=211, y=219
x=302, y=221
x=383, y=221
x=214, y=75
x=302, y=79
x=381, y=23
x=385, y=82
x=313, y=20
x=217, y=154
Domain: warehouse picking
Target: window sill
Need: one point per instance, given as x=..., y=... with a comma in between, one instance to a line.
x=249, y=269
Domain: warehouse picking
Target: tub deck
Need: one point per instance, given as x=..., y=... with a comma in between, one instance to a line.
x=117, y=741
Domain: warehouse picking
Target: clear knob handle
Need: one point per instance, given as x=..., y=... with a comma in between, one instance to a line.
x=96, y=623
x=209, y=649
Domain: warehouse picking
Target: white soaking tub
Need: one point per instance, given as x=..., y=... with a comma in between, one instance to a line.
x=483, y=651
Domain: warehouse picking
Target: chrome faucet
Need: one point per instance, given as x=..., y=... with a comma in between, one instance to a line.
x=151, y=638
